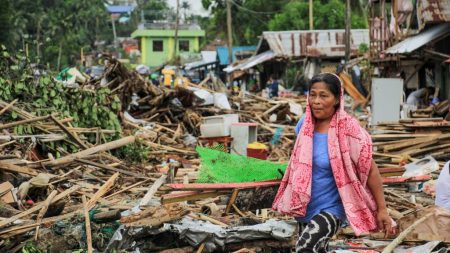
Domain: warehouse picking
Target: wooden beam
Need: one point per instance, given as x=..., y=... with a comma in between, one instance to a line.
x=18, y=169
x=152, y=190
x=100, y=148
x=222, y=186
x=43, y=211
x=38, y=206
x=110, y=168
x=88, y=224
x=103, y=190
x=25, y=121
x=72, y=135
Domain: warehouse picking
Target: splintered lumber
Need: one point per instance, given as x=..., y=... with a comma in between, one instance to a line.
x=152, y=190
x=38, y=207
x=8, y=106
x=68, y=132
x=100, y=148
x=129, y=187
x=213, y=221
x=190, y=195
x=88, y=224
x=110, y=168
x=232, y=200
x=102, y=191
x=18, y=169
x=390, y=248
x=7, y=233
x=107, y=216
x=25, y=121
x=43, y=211
x=221, y=186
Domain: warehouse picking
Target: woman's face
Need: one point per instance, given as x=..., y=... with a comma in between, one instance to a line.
x=322, y=101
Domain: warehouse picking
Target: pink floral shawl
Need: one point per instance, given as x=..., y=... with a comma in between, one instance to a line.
x=350, y=153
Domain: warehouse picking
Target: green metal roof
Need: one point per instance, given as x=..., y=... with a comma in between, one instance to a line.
x=167, y=33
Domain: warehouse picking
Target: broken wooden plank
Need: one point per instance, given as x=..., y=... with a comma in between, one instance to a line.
x=22, y=122
x=220, y=186
x=88, y=223
x=18, y=169
x=152, y=190
x=110, y=168
x=43, y=211
x=38, y=206
x=100, y=148
x=103, y=190
x=73, y=136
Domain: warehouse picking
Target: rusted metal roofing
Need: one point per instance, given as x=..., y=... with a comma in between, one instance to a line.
x=412, y=43
x=315, y=43
x=432, y=11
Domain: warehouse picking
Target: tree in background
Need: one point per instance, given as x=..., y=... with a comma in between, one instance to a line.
x=185, y=6
x=250, y=19
x=327, y=15
x=55, y=31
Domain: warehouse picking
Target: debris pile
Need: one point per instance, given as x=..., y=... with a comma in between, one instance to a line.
x=118, y=170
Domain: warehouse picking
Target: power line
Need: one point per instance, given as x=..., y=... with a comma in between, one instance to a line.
x=252, y=11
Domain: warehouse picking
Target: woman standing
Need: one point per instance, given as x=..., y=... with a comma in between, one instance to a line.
x=331, y=177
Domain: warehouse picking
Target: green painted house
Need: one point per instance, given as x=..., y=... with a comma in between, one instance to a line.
x=157, y=46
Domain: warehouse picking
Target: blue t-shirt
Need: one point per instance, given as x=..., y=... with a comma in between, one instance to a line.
x=324, y=192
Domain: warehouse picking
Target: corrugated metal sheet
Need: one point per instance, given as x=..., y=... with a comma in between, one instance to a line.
x=119, y=8
x=222, y=53
x=412, y=43
x=323, y=43
x=432, y=11
x=252, y=61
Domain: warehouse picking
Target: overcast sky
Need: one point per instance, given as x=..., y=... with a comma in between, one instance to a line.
x=196, y=6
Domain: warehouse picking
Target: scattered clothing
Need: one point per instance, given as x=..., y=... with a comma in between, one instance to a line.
x=315, y=235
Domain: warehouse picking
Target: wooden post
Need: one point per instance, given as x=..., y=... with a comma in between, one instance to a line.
x=175, y=39
x=88, y=224
x=230, y=39
x=311, y=19
x=348, y=21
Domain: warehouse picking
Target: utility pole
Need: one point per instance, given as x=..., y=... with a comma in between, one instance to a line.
x=311, y=19
x=347, y=31
x=175, y=40
x=230, y=38
x=114, y=31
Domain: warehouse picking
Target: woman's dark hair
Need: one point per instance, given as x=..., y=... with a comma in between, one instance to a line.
x=333, y=83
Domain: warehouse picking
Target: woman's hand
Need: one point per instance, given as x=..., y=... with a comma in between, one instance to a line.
x=385, y=222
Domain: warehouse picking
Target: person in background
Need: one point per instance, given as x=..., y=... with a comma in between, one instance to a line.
x=273, y=86
x=443, y=188
x=420, y=97
x=331, y=177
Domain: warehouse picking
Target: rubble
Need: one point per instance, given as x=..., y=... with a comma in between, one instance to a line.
x=95, y=193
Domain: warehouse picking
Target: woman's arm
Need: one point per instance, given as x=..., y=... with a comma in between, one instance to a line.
x=375, y=185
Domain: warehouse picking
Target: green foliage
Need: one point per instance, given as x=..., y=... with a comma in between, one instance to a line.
x=53, y=28
x=31, y=248
x=250, y=19
x=363, y=48
x=42, y=95
x=133, y=153
x=329, y=15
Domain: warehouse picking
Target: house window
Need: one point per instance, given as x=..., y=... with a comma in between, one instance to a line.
x=158, y=46
x=183, y=45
